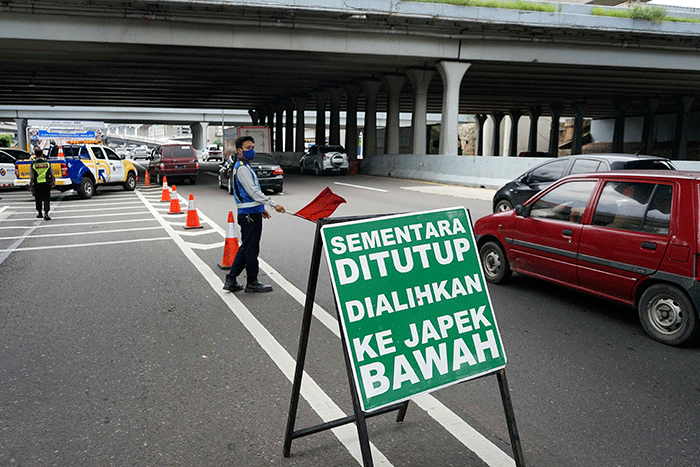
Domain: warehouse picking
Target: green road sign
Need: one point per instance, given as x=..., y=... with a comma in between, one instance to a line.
x=413, y=303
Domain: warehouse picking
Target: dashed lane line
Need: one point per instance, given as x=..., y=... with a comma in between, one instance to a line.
x=361, y=187
x=321, y=403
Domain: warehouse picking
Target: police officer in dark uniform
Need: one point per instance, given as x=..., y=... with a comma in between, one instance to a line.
x=41, y=180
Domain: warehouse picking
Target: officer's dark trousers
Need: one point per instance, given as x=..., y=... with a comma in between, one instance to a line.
x=247, y=256
x=42, y=194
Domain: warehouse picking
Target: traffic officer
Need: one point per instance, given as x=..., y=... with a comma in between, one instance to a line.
x=251, y=202
x=41, y=180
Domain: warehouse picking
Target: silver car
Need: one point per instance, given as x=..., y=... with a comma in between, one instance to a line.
x=323, y=159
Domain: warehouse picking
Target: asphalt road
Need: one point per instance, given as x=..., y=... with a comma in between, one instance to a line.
x=120, y=348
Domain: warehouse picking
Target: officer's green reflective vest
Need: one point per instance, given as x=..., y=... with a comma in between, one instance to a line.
x=41, y=169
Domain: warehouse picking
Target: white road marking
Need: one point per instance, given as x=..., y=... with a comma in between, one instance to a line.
x=310, y=391
x=461, y=430
x=82, y=217
x=46, y=225
x=361, y=187
x=195, y=232
x=468, y=192
x=92, y=232
x=114, y=242
x=199, y=246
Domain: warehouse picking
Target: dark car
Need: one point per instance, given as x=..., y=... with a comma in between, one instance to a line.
x=269, y=173
x=174, y=161
x=522, y=188
x=631, y=237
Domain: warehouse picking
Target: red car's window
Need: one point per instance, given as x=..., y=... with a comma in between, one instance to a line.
x=635, y=206
x=565, y=202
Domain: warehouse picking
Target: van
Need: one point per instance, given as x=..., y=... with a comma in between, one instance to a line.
x=177, y=162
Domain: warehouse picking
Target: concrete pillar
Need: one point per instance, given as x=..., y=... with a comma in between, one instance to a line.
x=534, y=113
x=514, y=118
x=618, y=140
x=420, y=80
x=649, y=127
x=556, y=110
x=22, y=142
x=289, y=126
x=481, y=119
x=335, y=94
x=143, y=130
x=262, y=116
x=451, y=74
x=352, y=91
x=199, y=135
x=254, y=117
x=680, y=139
x=370, y=88
x=279, y=126
x=300, y=104
x=577, y=142
x=497, y=118
x=271, y=124
x=321, y=98
x=393, y=83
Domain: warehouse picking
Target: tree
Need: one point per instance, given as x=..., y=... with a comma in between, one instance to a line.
x=5, y=141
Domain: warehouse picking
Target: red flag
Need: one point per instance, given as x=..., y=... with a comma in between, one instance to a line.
x=322, y=206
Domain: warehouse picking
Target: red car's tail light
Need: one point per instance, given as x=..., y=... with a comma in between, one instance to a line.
x=277, y=172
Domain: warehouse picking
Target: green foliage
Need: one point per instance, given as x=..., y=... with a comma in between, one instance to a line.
x=5, y=141
x=506, y=4
x=637, y=11
x=653, y=13
x=656, y=14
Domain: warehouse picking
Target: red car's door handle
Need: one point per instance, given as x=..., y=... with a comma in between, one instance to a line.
x=649, y=245
x=567, y=232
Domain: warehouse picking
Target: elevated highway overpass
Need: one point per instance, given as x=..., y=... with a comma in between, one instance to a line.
x=276, y=59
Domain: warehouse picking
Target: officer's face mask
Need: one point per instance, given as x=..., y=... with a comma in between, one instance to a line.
x=249, y=154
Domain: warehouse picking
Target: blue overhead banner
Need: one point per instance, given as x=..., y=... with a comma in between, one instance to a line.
x=56, y=134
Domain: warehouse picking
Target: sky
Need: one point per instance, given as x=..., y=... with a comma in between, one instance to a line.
x=688, y=3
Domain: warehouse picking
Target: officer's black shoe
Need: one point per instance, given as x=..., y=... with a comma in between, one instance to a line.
x=39, y=216
x=258, y=287
x=232, y=285
x=46, y=217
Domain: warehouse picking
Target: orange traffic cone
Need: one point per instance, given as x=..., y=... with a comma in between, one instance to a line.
x=147, y=181
x=231, y=243
x=192, y=216
x=165, y=194
x=60, y=154
x=174, y=203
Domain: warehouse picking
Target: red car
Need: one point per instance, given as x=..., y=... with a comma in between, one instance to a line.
x=629, y=237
